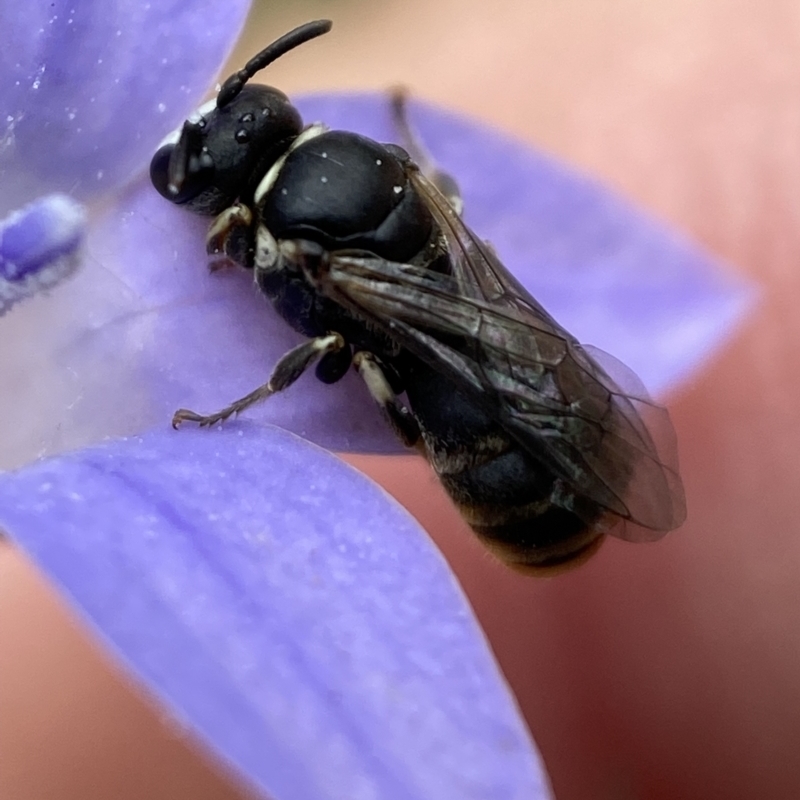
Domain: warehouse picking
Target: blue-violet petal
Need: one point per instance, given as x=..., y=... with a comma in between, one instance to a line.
x=87, y=89
x=145, y=329
x=609, y=273
x=284, y=608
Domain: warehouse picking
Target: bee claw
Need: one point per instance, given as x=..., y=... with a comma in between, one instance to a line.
x=185, y=415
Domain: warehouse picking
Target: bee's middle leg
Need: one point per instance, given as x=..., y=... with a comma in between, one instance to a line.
x=402, y=420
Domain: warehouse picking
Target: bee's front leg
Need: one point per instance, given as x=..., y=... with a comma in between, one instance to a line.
x=291, y=366
x=231, y=237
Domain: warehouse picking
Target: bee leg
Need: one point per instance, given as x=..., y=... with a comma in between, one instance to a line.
x=230, y=237
x=291, y=366
x=443, y=181
x=333, y=366
x=403, y=422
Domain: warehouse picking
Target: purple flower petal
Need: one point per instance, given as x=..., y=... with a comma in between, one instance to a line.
x=39, y=247
x=144, y=329
x=284, y=608
x=87, y=89
x=610, y=274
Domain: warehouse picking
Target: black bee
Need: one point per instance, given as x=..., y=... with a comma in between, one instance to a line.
x=361, y=248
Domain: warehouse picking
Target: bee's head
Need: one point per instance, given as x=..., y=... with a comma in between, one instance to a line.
x=223, y=150
x=220, y=152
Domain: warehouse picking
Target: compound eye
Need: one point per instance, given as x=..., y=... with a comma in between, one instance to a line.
x=159, y=171
x=179, y=174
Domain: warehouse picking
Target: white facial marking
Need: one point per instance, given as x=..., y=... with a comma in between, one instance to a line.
x=195, y=117
x=171, y=138
x=203, y=111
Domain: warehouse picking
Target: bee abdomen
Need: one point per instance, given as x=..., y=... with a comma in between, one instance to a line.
x=507, y=500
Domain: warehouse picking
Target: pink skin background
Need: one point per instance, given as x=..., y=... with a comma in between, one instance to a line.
x=662, y=671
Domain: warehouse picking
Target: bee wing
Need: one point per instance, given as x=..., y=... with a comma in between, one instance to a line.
x=610, y=445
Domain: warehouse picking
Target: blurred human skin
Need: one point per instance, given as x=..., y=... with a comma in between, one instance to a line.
x=654, y=671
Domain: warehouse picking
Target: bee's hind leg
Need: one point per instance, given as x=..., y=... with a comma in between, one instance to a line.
x=402, y=420
x=409, y=141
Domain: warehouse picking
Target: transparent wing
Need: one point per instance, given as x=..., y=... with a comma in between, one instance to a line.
x=602, y=435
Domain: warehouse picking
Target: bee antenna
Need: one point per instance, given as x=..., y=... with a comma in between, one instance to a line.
x=235, y=83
